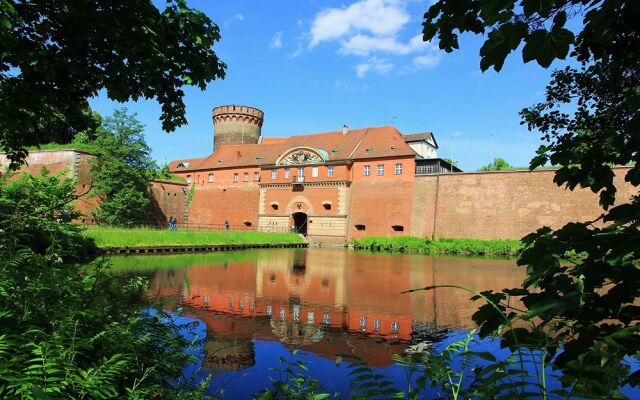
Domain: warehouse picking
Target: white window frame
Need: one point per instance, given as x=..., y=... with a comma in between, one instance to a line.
x=245, y=177
x=256, y=176
x=287, y=173
x=236, y=177
x=329, y=170
x=274, y=174
x=314, y=172
x=212, y=178
x=188, y=178
x=398, y=168
x=367, y=170
x=301, y=171
x=380, y=170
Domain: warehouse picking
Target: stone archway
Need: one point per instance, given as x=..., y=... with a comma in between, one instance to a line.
x=299, y=204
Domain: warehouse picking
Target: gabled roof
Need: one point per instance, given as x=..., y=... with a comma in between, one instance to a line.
x=420, y=137
x=365, y=143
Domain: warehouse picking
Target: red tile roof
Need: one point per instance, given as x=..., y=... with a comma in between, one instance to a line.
x=365, y=143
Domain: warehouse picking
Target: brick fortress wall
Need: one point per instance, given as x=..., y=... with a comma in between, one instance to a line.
x=483, y=205
x=501, y=205
x=169, y=197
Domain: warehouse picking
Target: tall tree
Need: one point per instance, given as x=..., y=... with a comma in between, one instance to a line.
x=498, y=164
x=56, y=54
x=583, y=311
x=122, y=170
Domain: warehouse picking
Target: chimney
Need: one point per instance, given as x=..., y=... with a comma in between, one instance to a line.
x=345, y=130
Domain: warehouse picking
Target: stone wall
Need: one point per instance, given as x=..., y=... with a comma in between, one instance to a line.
x=501, y=205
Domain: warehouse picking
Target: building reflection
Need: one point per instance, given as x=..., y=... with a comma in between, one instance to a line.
x=327, y=301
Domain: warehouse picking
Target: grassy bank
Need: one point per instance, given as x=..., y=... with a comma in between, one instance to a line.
x=140, y=237
x=465, y=247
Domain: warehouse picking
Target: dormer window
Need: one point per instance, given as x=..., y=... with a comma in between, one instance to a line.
x=183, y=165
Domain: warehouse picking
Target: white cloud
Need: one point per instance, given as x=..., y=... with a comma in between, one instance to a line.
x=239, y=17
x=374, y=64
x=374, y=30
x=426, y=61
x=276, y=41
x=363, y=45
x=377, y=17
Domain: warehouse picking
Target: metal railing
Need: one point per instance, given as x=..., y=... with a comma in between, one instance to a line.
x=431, y=169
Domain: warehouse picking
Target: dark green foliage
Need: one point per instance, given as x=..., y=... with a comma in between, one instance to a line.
x=540, y=25
x=293, y=382
x=164, y=174
x=498, y=164
x=68, y=331
x=57, y=54
x=602, y=131
x=590, y=120
x=37, y=212
x=367, y=384
x=122, y=171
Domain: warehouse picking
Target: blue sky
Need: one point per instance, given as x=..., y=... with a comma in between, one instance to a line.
x=313, y=66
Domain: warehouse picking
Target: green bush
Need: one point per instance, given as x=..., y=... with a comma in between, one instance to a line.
x=442, y=246
x=68, y=331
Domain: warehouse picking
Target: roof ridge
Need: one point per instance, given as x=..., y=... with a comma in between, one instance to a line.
x=366, y=133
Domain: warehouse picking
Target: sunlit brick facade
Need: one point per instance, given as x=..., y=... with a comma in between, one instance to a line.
x=311, y=183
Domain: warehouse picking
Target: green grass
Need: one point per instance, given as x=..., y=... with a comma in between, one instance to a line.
x=463, y=247
x=141, y=237
x=56, y=146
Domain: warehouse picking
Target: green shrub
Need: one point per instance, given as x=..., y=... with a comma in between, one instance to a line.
x=442, y=246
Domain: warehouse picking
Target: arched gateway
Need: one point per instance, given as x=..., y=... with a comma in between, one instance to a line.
x=300, y=221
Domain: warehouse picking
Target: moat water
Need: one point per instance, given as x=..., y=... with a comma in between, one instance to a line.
x=255, y=306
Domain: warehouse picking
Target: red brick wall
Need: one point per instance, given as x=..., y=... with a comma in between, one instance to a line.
x=169, y=201
x=212, y=206
x=501, y=205
x=378, y=206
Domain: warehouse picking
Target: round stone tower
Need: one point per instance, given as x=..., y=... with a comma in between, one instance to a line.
x=236, y=125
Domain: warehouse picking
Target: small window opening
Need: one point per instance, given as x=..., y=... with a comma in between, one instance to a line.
x=247, y=223
x=327, y=206
x=360, y=227
x=274, y=206
x=398, y=228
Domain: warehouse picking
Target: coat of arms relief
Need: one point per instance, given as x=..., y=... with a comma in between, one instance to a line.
x=301, y=157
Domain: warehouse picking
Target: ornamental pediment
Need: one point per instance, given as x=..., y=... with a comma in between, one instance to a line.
x=302, y=155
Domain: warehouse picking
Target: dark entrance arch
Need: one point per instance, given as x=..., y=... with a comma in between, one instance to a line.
x=300, y=222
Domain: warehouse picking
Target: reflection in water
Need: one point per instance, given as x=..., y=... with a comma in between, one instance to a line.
x=327, y=301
